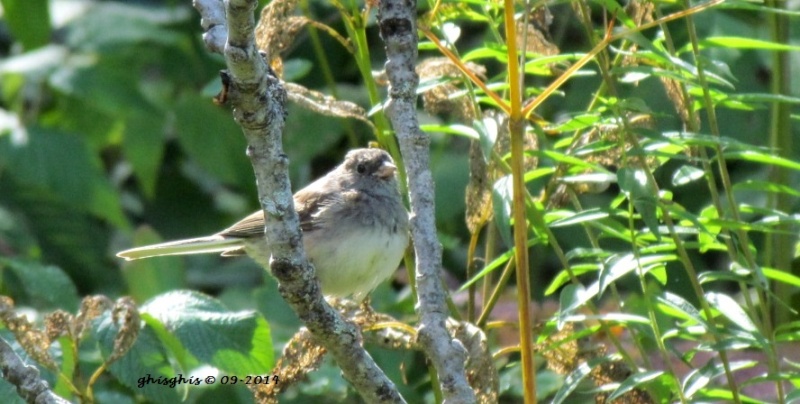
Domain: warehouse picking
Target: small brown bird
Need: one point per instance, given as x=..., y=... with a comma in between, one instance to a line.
x=355, y=228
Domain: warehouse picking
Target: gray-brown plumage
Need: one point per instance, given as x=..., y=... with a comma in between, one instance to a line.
x=355, y=228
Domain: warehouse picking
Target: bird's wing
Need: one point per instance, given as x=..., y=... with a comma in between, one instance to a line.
x=250, y=226
x=309, y=204
x=313, y=207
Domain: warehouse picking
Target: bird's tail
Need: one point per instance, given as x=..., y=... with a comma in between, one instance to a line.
x=201, y=245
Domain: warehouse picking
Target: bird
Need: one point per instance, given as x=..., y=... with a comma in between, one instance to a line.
x=353, y=221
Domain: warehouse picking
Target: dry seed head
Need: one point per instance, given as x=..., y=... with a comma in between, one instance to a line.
x=91, y=307
x=58, y=324
x=301, y=356
x=35, y=342
x=126, y=315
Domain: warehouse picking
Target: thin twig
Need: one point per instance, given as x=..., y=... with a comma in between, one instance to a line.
x=397, y=21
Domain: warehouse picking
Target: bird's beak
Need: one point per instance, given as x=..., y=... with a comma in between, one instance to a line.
x=386, y=170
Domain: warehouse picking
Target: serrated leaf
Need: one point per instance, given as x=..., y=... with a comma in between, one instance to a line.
x=186, y=361
x=238, y=343
x=47, y=286
x=146, y=358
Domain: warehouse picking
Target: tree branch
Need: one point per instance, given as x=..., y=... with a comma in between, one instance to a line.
x=25, y=378
x=258, y=100
x=397, y=21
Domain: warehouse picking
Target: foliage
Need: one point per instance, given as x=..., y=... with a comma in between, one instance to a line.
x=651, y=144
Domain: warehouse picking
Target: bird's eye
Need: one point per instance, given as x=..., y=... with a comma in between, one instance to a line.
x=361, y=168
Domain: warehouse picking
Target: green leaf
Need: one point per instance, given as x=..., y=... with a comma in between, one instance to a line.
x=28, y=21
x=626, y=264
x=572, y=297
x=736, y=42
x=454, y=129
x=686, y=174
x=149, y=278
x=105, y=84
x=66, y=235
x=496, y=263
x=67, y=366
x=502, y=198
x=698, y=379
x=677, y=307
x=574, y=379
x=756, y=156
x=765, y=186
x=636, y=380
x=568, y=218
x=781, y=276
x=238, y=343
x=143, y=145
x=578, y=122
x=213, y=140
x=106, y=26
x=185, y=360
x=563, y=276
x=731, y=309
x=63, y=164
x=9, y=393
x=636, y=185
x=579, y=163
x=45, y=286
x=146, y=358
x=487, y=133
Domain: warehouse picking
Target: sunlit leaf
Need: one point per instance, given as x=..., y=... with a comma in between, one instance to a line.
x=686, y=174
x=502, y=197
x=28, y=21
x=736, y=42
x=639, y=189
x=731, y=309
x=636, y=380
x=763, y=158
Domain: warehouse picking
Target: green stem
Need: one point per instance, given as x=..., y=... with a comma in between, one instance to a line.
x=780, y=139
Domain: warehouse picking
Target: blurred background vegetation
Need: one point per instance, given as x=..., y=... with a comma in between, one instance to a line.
x=109, y=139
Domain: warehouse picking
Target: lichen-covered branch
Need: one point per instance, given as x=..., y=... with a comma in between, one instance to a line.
x=25, y=378
x=397, y=20
x=258, y=102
